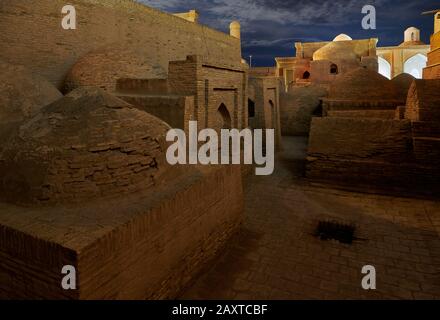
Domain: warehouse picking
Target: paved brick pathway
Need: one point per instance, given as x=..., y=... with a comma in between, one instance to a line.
x=276, y=255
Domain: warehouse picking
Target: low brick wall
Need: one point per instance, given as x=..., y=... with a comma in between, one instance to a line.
x=372, y=154
x=297, y=108
x=371, y=114
x=138, y=247
x=361, y=139
x=174, y=110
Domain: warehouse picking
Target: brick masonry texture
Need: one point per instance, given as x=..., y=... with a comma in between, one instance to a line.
x=297, y=108
x=264, y=92
x=432, y=71
x=276, y=255
x=104, y=67
x=34, y=36
x=146, y=246
x=86, y=145
x=22, y=95
x=204, y=90
x=367, y=139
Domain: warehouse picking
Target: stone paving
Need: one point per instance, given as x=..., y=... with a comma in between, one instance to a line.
x=277, y=256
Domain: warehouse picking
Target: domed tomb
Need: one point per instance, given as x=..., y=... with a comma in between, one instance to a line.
x=87, y=145
x=342, y=37
x=334, y=51
x=102, y=68
x=22, y=95
x=362, y=84
x=402, y=83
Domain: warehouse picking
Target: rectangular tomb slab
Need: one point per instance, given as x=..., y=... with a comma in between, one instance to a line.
x=138, y=247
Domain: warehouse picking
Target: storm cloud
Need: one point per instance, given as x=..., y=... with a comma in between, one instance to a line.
x=271, y=27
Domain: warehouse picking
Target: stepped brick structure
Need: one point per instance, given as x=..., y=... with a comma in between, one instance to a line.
x=152, y=34
x=86, y=145
x=22, y=95
x=321, y=62
x=264, y=103
x=214, y=95
x=432, y=71
x=381, y=153
x=362, y=93
x=85, y=182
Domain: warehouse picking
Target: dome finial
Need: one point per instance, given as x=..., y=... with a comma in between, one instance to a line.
x=342, y=37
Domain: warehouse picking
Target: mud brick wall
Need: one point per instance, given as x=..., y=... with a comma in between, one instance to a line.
x=297, y=108
x=265, y=94
x=32, y=35
x=142, y=86
x=425, y=129
x=171, y=109
x=423, y=101
x=432, y=71
x=427, y=150
x=211, y=85
x=93, y=145
x=225, y=86
x=104, y=67
x=350, y=150
x=375, y=155
x=375, y=114
x=345, y=105
x=362, y=139
x=145, y=247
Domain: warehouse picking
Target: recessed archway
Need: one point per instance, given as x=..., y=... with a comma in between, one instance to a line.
x=334, y=69
x=224, y=117
x=306, y=75
x=415, y=65
x=384, y=67
x=272, y=115
x=251, y=108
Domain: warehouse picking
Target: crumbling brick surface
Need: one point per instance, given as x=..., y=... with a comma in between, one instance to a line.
x=53, y=51
x=148, y=245
x=102, y=68
x=86, y=145
x=423, y=101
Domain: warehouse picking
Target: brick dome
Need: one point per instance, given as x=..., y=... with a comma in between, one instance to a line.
x=87, y=145
x=402, y=82
x=338, y=50
x=362, y=84
x=22, y=94
x=102, y=68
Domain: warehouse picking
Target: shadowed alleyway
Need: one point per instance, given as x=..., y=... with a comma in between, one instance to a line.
x=277, y=256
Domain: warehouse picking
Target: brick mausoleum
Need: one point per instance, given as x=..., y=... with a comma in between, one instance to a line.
x=84, y=179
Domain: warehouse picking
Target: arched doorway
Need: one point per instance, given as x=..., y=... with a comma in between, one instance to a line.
x=224, y=118
x=306, y=75
x=415, y=65
x=334, y=69
x=384, y=68
x=251, y=108
x=272, y=115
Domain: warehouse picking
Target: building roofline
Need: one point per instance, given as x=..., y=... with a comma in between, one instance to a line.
x=431, y=12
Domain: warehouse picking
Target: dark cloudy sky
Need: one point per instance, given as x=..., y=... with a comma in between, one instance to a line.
x=271, y=27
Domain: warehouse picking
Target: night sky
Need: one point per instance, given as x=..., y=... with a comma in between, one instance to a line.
x=271, y=27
